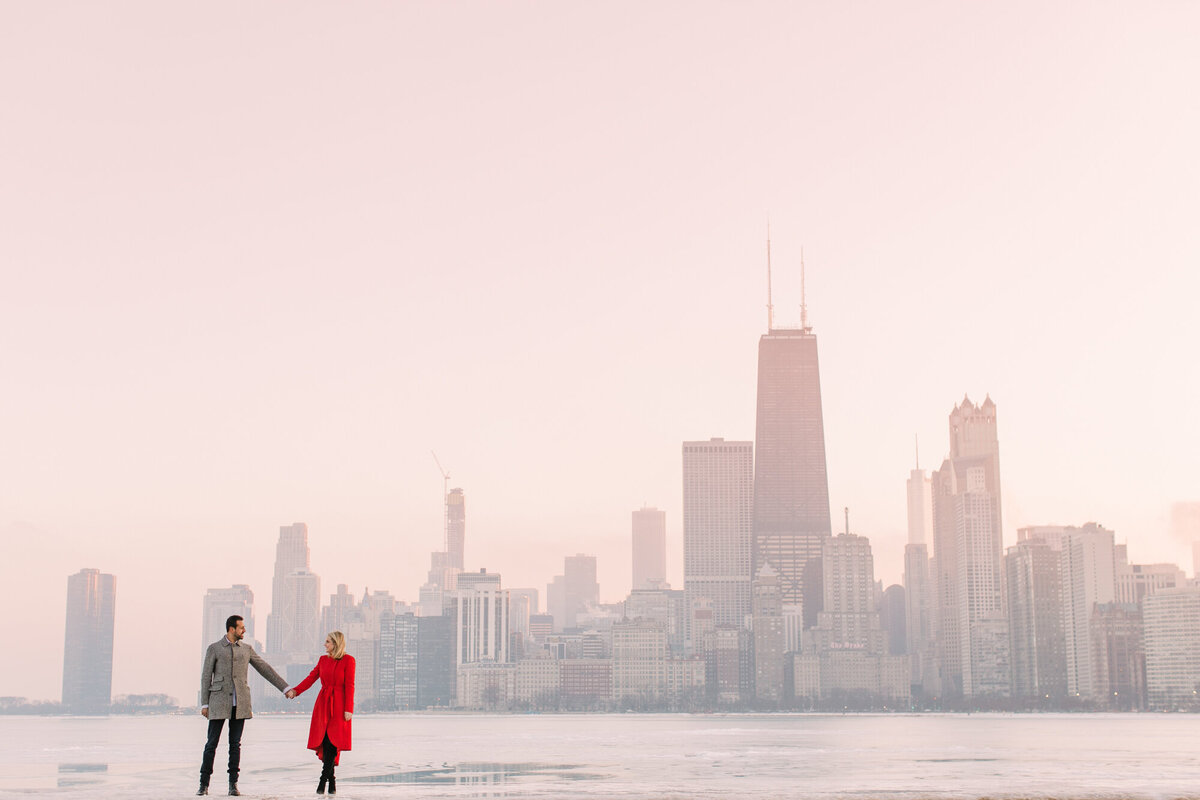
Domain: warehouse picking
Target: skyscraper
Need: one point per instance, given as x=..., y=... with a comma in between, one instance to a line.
x=718, y=496
x=398, y=662
x=220, y=605
x=791, y=488
x=300, y=617
x=1118, y=656
x=664, y=605
x=88, y=645
x=919, y=591
x=894, y=619
x=649, y=547
x=1034, y=585
x=480, y=608
x=436, y=653
x=1171, y=620
x=770, y=637
x=971, y=624
x=639, y=660
x=573, y=592
x=291, y=555
x=523, y=603
x=920, y=507
x=847, y=650
x=456, y=527
x=1089, y=577
x=849, y=617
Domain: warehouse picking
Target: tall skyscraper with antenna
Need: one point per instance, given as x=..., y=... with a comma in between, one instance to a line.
x=919, y=594
x=791, y=488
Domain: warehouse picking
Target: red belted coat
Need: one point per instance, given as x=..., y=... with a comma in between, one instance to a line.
x=336, y=696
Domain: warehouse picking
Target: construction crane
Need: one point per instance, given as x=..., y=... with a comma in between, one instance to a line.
x=445, y=504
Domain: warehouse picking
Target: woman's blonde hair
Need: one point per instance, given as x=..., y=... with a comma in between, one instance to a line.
x=339, y=644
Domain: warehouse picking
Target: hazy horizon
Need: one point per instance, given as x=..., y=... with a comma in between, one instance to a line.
x=259, y=265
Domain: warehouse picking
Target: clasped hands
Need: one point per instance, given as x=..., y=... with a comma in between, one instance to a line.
x=291, y=695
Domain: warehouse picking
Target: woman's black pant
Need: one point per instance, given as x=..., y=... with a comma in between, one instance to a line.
x=329, y=753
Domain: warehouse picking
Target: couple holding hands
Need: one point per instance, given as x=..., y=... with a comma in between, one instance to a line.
x=225, y=695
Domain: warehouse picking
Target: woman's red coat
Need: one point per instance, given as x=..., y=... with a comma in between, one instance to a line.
x=335, y=697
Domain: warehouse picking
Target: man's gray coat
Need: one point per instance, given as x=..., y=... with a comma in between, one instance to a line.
x=225, y=671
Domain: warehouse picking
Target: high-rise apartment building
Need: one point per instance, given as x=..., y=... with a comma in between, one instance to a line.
x=480, y=608
x=1118, y=656
x=849, y=618
x=88, y=645
x=791, y=488
x=639, y=661
x=971, y=623
x=291, y=555
x=718, y=504
x=1171, y=621
x=770, y=637
x=1033, y=570
x=399, y=656
x=649, y=547
x=436, y=654
x=1089, y=577
x=847, y=650
x=729, y=656
x=663, y=605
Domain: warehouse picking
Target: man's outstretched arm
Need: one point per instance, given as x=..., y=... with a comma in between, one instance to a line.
x=263, y=668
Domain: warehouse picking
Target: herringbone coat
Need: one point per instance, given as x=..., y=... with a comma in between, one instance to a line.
x=225, y=668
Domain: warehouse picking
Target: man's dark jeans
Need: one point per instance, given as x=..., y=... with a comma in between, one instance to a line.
x=210, y=749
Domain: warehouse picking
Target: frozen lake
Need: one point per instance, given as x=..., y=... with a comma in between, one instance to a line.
x=626, y=756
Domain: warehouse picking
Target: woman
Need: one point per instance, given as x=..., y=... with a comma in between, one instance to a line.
x=329, y=732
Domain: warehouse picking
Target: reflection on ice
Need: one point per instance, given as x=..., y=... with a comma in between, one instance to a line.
x=77, y=774
x=476, y=774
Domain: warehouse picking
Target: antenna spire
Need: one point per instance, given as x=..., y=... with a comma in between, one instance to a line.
x=445, y=503
x=917, y=448
x=803, y=298
x=847, y=510
x=770, y=307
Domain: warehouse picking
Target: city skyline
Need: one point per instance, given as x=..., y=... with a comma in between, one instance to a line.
x=554, y=276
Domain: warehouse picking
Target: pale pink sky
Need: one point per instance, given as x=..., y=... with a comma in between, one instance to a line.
x=259, y=259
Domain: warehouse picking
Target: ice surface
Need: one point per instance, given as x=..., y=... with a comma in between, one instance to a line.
x=626, y=756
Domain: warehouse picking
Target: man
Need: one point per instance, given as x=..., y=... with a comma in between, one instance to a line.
x=225, y=695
